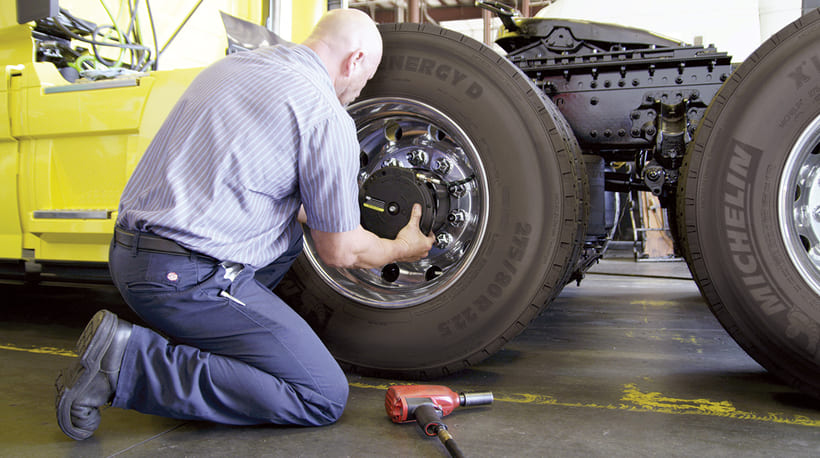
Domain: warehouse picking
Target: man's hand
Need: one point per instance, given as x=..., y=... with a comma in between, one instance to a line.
x=363, y=249
x=417, y=244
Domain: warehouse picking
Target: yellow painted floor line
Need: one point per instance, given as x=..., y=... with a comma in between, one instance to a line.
x=634, y=400
x=39, y=350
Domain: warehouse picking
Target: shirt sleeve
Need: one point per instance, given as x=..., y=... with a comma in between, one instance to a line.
x=328, y=166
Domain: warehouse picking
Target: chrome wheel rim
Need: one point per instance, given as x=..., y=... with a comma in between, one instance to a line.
x=407, y=133
x=799, y=205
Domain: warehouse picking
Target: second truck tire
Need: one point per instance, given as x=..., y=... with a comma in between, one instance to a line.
x=749, y=204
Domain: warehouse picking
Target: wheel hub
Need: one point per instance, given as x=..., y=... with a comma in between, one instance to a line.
x=413, y=153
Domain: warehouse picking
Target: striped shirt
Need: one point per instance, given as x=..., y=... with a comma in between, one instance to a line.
x=254, y=136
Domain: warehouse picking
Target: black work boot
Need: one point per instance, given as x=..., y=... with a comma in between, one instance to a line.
x=91, y=381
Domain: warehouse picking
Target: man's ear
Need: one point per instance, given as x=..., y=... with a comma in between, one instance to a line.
x=354, y=59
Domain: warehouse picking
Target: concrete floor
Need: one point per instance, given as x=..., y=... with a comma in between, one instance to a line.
x=629, y=364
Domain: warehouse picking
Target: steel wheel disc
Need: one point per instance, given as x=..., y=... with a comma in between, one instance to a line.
x=799, y=204
x=411, y=134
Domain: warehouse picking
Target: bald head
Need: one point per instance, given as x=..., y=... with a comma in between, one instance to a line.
x=345, y=30
x=350, y=45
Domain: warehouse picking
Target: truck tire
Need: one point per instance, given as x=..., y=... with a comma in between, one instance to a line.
x=749, y=199
x=481, y=125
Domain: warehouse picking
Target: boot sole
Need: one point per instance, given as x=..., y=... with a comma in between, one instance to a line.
x=91, y=346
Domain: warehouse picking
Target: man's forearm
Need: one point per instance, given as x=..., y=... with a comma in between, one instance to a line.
x=358, y=249
x=361, y=248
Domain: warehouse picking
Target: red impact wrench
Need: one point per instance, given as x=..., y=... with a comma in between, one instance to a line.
x=426, y=404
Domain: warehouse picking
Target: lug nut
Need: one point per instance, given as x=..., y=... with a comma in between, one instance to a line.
x=442, y=166
x=457, y=191
x=457, y=217
x=443, y=239
x=417, y=157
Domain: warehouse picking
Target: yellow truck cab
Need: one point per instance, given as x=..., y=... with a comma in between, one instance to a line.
x=67, y=150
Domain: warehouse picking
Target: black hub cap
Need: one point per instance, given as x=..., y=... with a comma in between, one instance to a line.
x=387, y=199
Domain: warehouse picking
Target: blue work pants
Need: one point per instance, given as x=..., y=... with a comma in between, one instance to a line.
x=220, y=349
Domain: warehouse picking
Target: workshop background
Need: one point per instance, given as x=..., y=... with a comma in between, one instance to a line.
x=735, y=26
x=631, y=363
